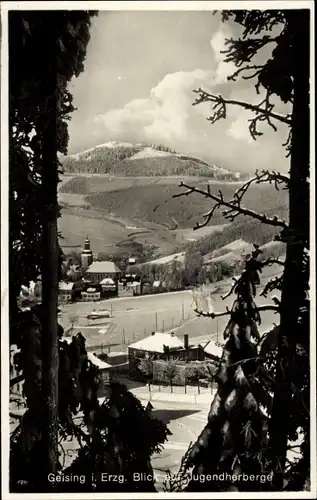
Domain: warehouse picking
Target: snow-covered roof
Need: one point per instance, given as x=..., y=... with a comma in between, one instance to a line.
x=213, y=349
x=107, y=281
x=67, y=339
x=104, y=266
x=102, y=365
x=156, y=342
x=66, y=287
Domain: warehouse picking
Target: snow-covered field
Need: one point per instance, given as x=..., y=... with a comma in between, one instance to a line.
x=149, y=153
x=179, y=257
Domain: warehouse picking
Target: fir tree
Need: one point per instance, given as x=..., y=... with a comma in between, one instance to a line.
x=284, y=75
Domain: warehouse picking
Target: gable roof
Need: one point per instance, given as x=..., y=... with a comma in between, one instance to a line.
x=102, y=365
x=104, y=266
x=156, y=342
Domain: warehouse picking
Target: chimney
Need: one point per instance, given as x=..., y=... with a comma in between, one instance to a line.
x=153, y=333
x=186, y=341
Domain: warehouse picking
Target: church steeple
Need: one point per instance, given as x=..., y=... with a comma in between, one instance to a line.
x=87, y=243
x=86, y=256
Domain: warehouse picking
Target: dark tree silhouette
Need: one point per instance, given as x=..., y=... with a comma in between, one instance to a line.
x=48, y=52
x=47, y=49
x=285, y=75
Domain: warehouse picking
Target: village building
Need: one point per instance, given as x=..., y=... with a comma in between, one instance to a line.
x=109, y=287
x=104, y=369
x=100, y=270
x=65, y=291
x=74, y=273
x=91, y=294
x=164, y=346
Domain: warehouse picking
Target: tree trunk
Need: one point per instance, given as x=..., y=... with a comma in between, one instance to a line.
x=293, y=289
x=50, y=265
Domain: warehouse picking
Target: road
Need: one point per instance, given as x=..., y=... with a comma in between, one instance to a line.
x=185, y=421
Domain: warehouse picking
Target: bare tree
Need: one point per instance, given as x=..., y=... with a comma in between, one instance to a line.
x=146, y=367
x=170, y=371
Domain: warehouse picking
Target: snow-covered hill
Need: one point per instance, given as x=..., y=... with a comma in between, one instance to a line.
x=139, y=160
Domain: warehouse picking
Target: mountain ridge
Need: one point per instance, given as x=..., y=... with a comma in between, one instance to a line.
x=148, y=160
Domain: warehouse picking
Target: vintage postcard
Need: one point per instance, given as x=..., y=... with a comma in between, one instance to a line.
x=158, y=250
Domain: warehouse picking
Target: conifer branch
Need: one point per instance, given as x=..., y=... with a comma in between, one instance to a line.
x=242, y=51
x=256, y=71
x=272, y=284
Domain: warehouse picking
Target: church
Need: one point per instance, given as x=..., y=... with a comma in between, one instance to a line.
x=98, y=271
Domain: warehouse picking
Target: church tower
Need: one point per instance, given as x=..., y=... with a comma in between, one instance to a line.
x=86, y=256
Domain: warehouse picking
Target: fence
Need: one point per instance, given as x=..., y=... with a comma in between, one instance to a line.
x=114, y=336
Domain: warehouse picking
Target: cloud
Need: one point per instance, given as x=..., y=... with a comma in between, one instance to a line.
x=167, y=113
x=164, y=115
x=239, y=128
x=218, y=45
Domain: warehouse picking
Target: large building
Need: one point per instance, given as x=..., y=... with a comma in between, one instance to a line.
x=101, y=270
x=164, y=346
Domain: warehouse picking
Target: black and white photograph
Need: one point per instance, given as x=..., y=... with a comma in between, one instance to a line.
x=158, y=250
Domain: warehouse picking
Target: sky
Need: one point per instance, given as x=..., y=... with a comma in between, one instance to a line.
x=140, y=72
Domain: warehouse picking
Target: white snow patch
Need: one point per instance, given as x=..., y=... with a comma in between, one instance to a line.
x=149, y=153
x=78, y=156
x=179, y=257
x=231, y=251
x=109, y=144
x=115, y=144
x=238, y=245
x=272, y=244
x=227, y=257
